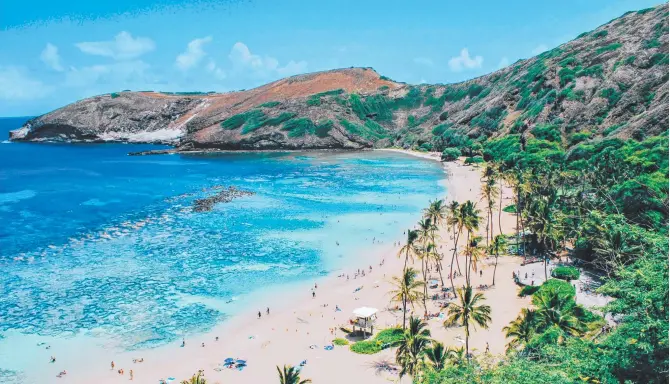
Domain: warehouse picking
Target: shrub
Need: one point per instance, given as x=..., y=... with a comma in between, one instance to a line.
x=611, y=129
x=566, y=273
x=450, y=154
x=578, y=137
x=443, y=116
x=383, y=88
x=547, y=132
x=114, y=95
x=510, y=208
x=340, y=341
x=600, y=34
x=269, y=104
x=384, y=338
x=608, y=48
x=474, y=160
x=528, y=290
x=440, y=129
x=646, y=10
x=236, y=121
x=612, y=96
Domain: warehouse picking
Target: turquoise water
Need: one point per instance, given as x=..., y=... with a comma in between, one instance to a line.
x=96, y=242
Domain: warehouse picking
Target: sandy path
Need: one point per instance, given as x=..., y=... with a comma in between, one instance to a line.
x=296, y=322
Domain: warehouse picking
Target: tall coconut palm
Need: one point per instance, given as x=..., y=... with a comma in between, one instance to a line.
x=521, y=330
x=474, y=253
x=456, y=222
x=409, y=249
x=291, y=375
x=498, y=246
x=436, y=356
x=489, y=191
x=426, y=232
x=468, y=312
x=406, y=290
x=557, y=309
x=436, y=257
x=500, y=178
x=544, y=221
x=470, y=218
x=413, y=346
x=198, y=378
x=437, y=213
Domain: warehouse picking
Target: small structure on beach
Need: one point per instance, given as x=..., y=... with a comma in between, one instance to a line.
x=365, y=317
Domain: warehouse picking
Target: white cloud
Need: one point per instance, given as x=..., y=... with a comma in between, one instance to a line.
x=117, y=74
x=193, y=54
x=539, y=49
x=424, y=61
x=51, y=57
x=15, y=84
x=215, y=70
x=243, y=59
x=123, y=47
x=464, y=61
x=503, y=63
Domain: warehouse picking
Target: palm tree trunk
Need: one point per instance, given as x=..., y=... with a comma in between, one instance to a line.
x=451, y=274
x=404, y=311
x=500, y=210
x=439, y=269
x=425, y=284
x=467, y=340
x=494, y=269
x=457, y=235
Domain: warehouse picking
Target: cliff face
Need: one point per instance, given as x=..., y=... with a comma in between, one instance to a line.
x=612, y=81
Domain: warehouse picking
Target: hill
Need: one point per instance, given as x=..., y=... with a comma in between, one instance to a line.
x=610, y=82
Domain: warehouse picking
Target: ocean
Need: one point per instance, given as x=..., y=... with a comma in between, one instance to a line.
x=97, y=243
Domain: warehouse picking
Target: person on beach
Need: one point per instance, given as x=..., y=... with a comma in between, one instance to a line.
x=259, y=314
x=131, y=374
x=112, y=365
x=480, y=273
x=487, y=347
x=313, y=294
x=267, y=311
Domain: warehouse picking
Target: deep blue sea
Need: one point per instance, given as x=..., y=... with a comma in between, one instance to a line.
x=93, y=241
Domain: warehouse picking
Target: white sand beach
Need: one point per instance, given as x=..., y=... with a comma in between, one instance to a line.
x=300, y=325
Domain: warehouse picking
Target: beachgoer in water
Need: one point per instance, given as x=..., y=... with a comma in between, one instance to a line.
x=53, y=359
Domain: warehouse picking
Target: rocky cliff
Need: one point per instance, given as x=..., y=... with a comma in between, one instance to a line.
x=612, y=81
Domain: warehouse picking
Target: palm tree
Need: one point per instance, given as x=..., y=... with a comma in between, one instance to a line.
x=498, y=246
x=489, y=190
x=409, y=248
x=199, y=378
x=544, y=221
x=467, y=312
x=426, y=234
x=469, y=216
x=455, y=220
x=555, y=308
x=437, y=213
x=412, y=347
x=437, y=356
x=407, y=290
x=521, y=330
x=290, y=375
x=456, y=355
x=473, y=254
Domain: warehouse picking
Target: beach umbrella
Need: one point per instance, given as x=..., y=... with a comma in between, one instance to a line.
x=229, y=360
x=241, y=361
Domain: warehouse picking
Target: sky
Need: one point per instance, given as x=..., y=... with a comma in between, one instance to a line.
x=57, y=52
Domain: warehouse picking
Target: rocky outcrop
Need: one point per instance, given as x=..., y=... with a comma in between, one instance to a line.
x=612, y=81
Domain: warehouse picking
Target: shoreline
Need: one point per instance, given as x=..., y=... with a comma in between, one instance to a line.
x=295, y=323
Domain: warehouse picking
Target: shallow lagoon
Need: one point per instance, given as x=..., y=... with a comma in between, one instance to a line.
x=101, y=244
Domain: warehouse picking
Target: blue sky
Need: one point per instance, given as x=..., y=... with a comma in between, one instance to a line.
x=57, y=52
